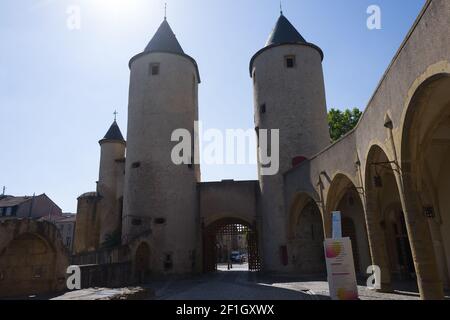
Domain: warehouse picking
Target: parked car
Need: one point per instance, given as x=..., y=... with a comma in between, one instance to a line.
x=236, y=257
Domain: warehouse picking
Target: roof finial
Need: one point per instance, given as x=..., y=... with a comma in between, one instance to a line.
x=281, y=7
x=115, y=115
x=165, y=11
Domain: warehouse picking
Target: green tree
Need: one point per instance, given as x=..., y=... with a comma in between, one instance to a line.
x=112, y=239
x=342, y=122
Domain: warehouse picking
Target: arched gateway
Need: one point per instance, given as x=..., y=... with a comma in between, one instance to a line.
x=229, y=223
x=33, y=259
x=228, y=235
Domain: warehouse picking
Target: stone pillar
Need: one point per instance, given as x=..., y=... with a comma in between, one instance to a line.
x=439, y=249
x=326, y=220
x=377, y=240
x=428, y=279
x=326, y=216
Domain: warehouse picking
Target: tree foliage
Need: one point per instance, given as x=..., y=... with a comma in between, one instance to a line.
x=113, y=239
x=342, y=122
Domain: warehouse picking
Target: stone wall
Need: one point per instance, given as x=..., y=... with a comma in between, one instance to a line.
x=228, y=199
x=33, y=258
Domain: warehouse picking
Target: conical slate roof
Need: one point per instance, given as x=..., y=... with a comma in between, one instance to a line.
x=284, y=32
x=164, y=40
x=114, y=133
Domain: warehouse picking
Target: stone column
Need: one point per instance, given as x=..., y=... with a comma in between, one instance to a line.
x=326, y=217
x=428, y=279
x=436, y=235
x=377, y=240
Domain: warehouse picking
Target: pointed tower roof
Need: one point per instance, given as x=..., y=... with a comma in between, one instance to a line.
x=284, y=33
x=113, y=134
x=164, y=40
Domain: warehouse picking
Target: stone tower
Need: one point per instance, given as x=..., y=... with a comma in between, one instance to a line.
x=289, y=95
x=160, y=198
x=110, y=185
x=99, y=213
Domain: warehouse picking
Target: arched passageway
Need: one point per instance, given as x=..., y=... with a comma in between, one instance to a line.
x=28, y=265
x=230, y=241
x=399, y=249
x=390, y=245
x=425, y=158
x=343, y=196
x=306, y=237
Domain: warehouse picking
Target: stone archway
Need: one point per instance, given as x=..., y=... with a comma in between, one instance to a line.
x=243, y=237
x=306, y=236
x=349, y=230
x=388, y=244
x=381, y=193
x=399, y=249
x=27, y=266
x=33, y=258
x=343, y=196
x=425, y=158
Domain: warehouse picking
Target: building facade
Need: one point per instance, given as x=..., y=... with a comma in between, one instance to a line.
x=33, y=207
x=66, y=226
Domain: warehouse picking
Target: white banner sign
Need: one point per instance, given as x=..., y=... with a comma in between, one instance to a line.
x=341, y=269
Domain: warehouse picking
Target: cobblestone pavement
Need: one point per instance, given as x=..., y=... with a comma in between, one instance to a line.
x=242, y=285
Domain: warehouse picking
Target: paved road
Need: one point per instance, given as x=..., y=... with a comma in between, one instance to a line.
x=234, y=285
x=242, y=285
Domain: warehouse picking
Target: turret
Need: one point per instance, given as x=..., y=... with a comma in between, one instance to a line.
x=109, y=185
x=289, y=95
x=99, y=213
x=160, y=200
x=112, y=150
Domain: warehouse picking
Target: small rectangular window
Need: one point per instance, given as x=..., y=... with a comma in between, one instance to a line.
x=160, y=221
x=262, y=109
x=154, y=69
x=290, y=62
x=136, y=165
x=9, y=212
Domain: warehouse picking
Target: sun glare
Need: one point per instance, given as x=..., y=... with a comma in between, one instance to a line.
x=116, y=6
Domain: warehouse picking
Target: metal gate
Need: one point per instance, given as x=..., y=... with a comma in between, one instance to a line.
x=211, y=247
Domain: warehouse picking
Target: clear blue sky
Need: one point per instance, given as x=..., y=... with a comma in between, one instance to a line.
x=59, y=88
